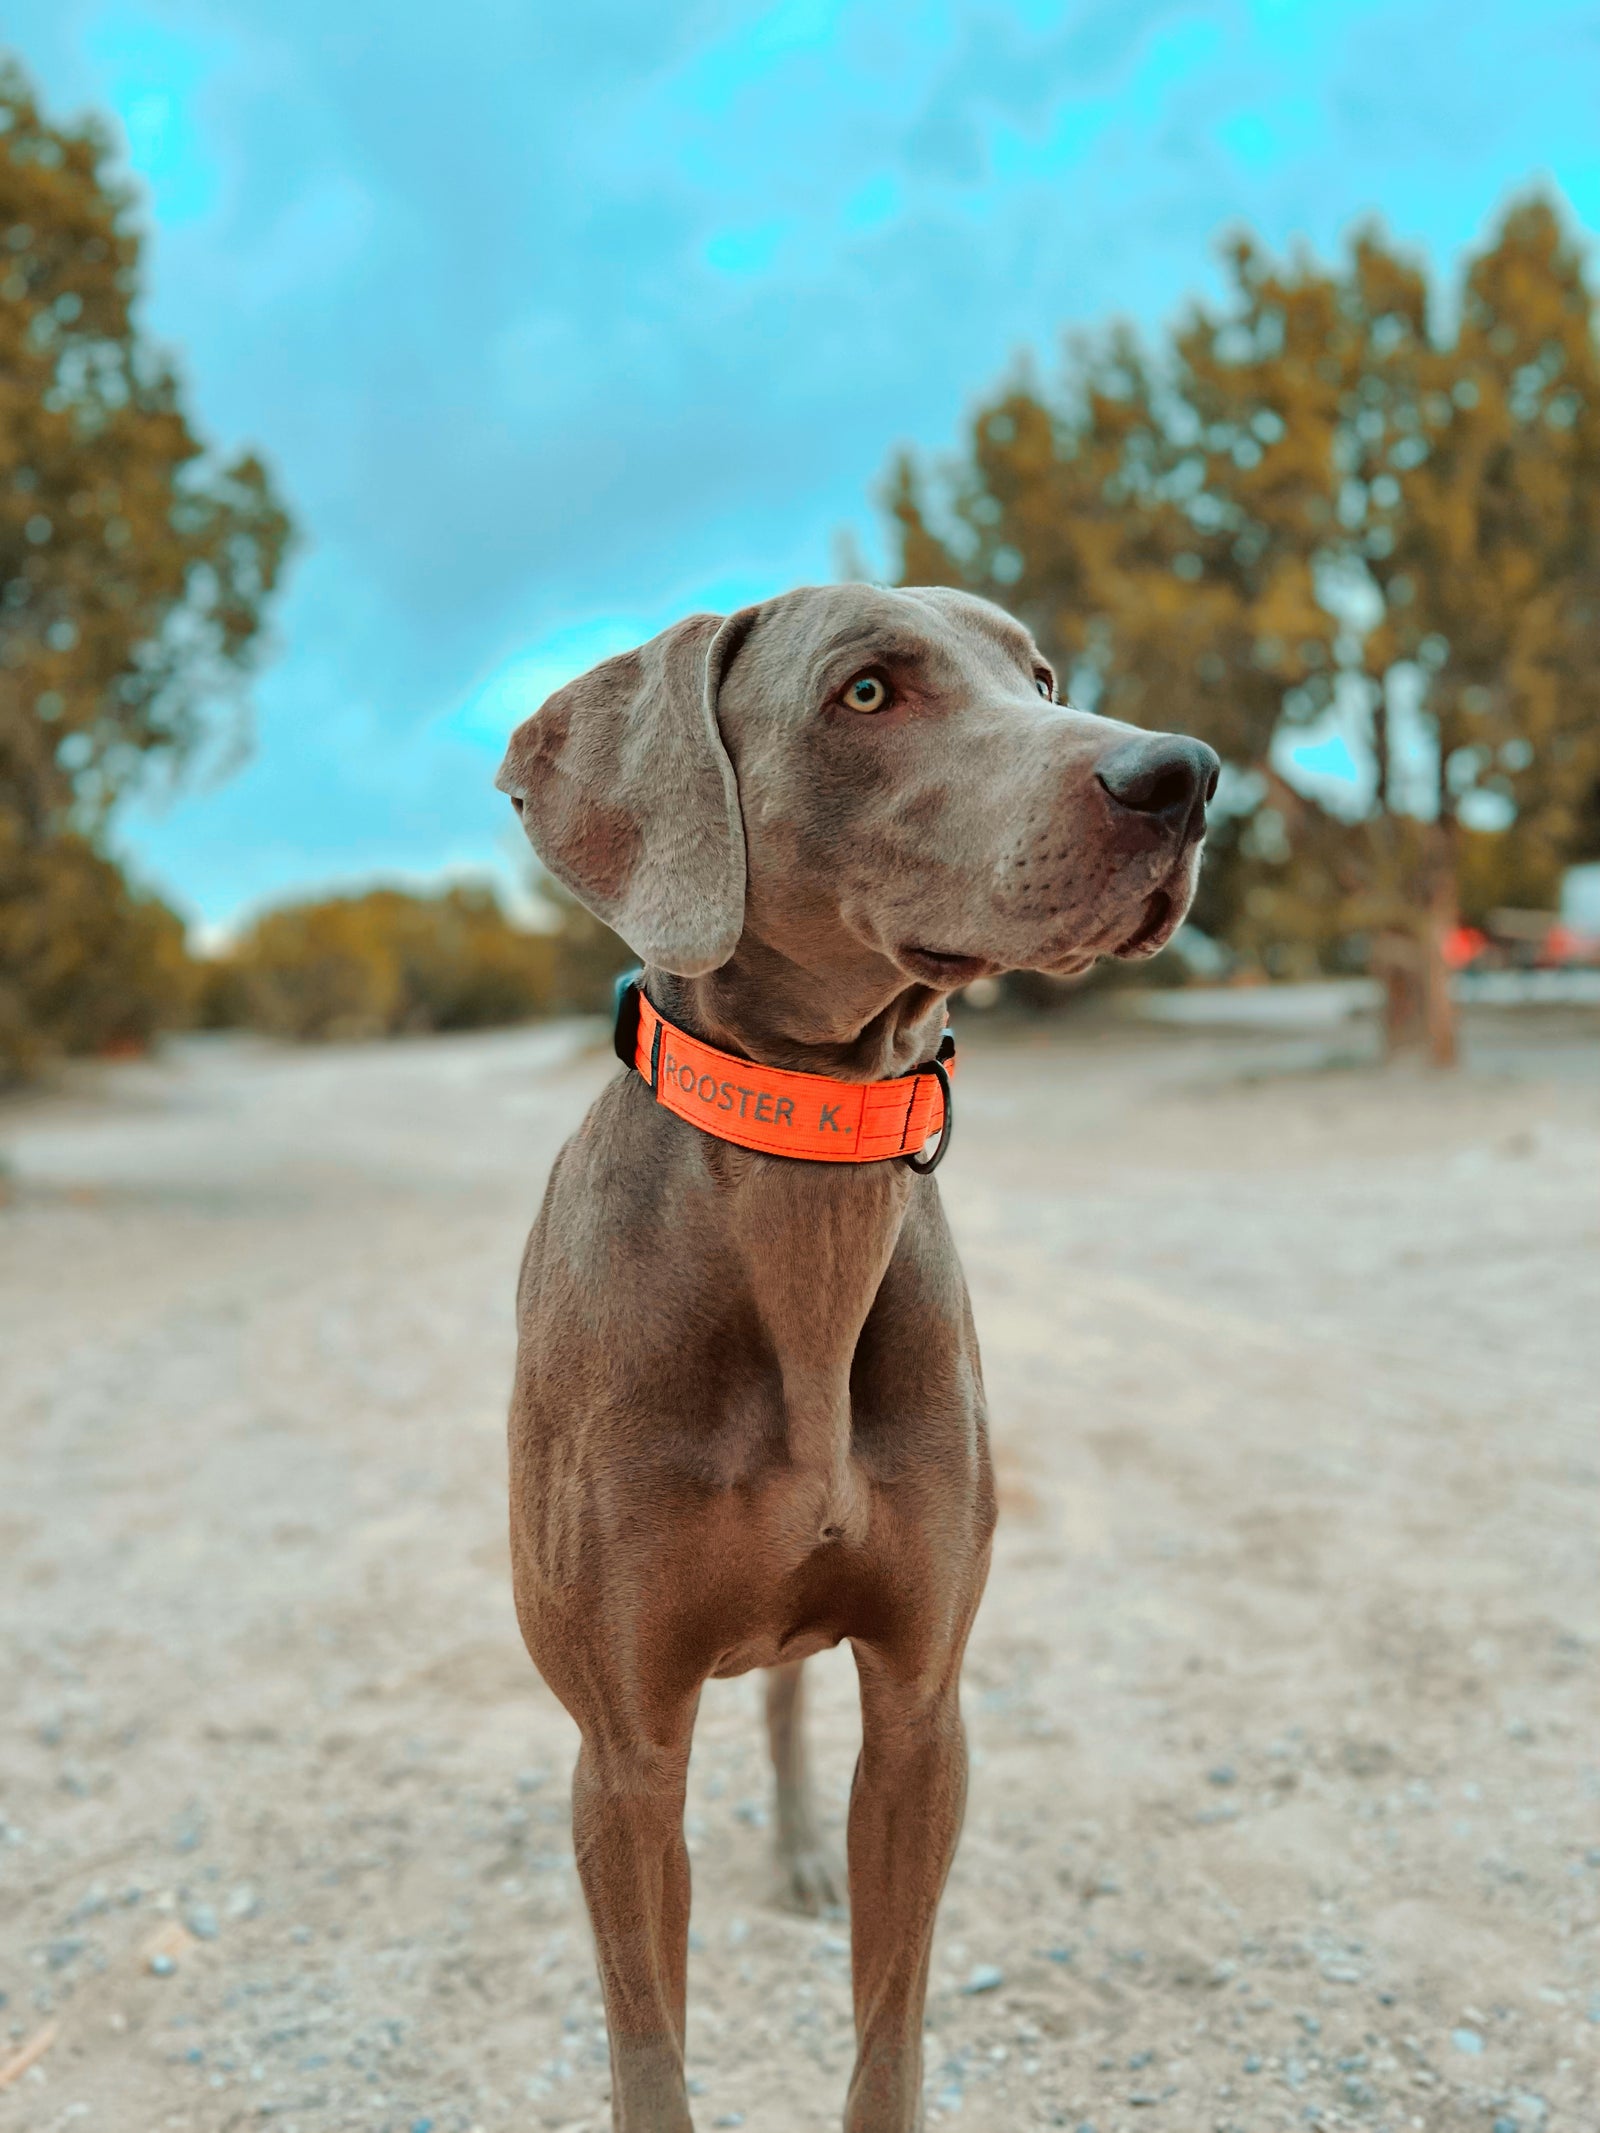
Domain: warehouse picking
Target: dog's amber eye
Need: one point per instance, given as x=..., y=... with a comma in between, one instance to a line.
x=868, y=692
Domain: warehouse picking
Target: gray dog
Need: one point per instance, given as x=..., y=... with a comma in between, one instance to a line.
x=748, y=1419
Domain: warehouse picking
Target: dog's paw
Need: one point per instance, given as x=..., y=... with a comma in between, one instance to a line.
x=812, y=1880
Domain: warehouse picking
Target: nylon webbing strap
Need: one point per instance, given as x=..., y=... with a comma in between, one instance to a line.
x=809, y=1116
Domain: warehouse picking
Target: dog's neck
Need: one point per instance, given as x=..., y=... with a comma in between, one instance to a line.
x=802, y=1230
x=859, y=1024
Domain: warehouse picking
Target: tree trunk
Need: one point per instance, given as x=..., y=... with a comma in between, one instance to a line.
x=1381, y=747
x=1396, y=963
x=1439, y=1015
x=1411, y=961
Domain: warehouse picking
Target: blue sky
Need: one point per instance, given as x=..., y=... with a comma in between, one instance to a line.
x=557, y=322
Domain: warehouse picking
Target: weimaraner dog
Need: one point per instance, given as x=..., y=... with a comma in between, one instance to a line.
x=748, y=1419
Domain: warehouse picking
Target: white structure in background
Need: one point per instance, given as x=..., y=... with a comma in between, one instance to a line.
x=1580, y=898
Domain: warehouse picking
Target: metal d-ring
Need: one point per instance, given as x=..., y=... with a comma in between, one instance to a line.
x=924, y=1166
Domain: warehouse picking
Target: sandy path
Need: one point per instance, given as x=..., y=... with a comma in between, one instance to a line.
x=1286, y=1800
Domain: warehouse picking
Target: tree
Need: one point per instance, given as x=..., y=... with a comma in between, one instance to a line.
x=87, y=964
x=383, y=964
x=390, y=962
x=1326, y=508
x=134, y=567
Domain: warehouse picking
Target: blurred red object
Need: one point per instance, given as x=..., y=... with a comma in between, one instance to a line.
x=1565, y=946
x=1463, y=945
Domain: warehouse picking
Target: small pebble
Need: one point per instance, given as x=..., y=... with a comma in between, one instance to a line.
x=985, y=1977
x=1222, y=1774
x=729, y=2118
x=422, y=2125
x=201, y=1920
x=162, y=1965
x=1592, y=1856
x=1466, y=2040
x=1252, y=2065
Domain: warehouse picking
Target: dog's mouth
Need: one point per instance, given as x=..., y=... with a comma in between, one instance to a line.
x=1157, y=913
x=949, y=972
x=936, y=966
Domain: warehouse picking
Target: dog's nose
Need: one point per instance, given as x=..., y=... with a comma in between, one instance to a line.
x=1167, y=777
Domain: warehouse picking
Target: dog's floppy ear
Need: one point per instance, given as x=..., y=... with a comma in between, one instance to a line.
x=627, y=794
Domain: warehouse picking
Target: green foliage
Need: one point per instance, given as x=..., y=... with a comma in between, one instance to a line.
x=1335, y=494
x=86, y=963
x=389, y=962
x=386, y=962
x=134, y=568
x=589, y=956
x=1502, y=872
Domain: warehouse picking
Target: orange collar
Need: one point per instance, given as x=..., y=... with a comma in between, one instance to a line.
x=810, y=1116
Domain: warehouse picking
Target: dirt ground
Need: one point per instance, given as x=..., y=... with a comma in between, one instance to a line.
x=1285, y=1807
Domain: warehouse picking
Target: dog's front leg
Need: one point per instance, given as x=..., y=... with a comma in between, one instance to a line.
x=905, y=1816
x=627, y=1832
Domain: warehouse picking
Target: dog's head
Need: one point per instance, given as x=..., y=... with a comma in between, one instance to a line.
x=857, y=776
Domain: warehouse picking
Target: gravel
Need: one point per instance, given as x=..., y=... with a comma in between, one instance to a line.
x=1291, y=1370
